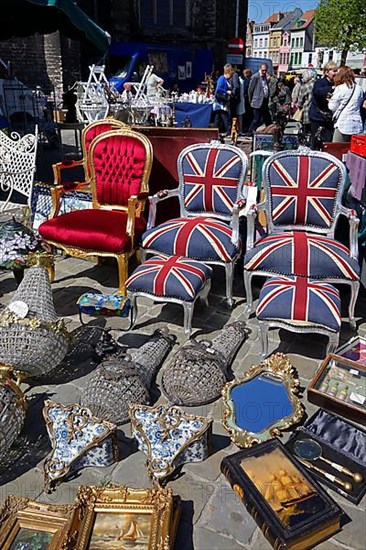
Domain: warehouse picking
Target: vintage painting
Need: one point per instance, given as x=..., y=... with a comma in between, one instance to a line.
x=289, y=494
x=30, y=539
x=30, y=525
x=119, y=531
x=123, y=518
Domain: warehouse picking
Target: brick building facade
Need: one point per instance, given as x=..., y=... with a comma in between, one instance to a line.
x=56, y=61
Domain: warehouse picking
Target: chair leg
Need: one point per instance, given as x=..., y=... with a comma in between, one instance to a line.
x=333, y=342
x=263, y=327
x=138, y=255
x=188, y=314
x=51, y=273
x=122, y=262
x=133, y=298
x=355, y=287
x=142, y=254
x=248, y=290
x=229, y=272
x=205, y=293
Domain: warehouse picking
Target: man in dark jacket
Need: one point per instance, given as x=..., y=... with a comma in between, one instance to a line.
x=235, y=91
x=320, y=116
x=248, y=114
x=259, y=92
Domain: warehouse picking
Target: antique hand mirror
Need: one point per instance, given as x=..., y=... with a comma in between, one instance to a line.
x=262, y=403
x=308, y=449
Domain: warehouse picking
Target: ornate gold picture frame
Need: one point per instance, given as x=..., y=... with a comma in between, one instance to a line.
x=116, y=517
x=262, y=403
x=28, y=524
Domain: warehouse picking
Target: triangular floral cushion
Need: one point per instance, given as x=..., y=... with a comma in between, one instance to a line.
x=169, y=436
x=78, y=439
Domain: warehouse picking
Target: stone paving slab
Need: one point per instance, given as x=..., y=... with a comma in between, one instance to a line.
x=213, y=518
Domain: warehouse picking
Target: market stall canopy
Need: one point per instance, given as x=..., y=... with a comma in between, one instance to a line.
x=27, y=17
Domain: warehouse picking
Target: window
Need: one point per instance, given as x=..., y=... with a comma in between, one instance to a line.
x=147, y=13
x=330, y=55
x=301, y=42
x=295, y=61
x=310, y=60
x=293, y=42
x=292, y=59
x=297, y=42
x=164, y=13
x=300, y=58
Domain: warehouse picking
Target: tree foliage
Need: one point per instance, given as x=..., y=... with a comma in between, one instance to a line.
x=341, y=24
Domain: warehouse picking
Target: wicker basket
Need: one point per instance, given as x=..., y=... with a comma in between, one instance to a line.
x=33, y=340
x=12, y=414
x=198, y=371
x=124, y=379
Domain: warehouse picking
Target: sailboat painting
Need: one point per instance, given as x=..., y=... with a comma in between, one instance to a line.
x=120, y=531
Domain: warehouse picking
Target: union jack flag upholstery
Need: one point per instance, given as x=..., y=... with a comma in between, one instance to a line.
x=303, y=190
x=211, y=179
x=173, y=277
x=303, y=254
x=297, y=299
x=203, y=238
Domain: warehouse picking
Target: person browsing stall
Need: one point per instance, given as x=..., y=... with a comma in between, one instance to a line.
x=221, y=104
x=259, y=92
x=154, y=86
x=345, y=105
x=321, y=125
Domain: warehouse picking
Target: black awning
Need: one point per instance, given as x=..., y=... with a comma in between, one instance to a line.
x=27, y=17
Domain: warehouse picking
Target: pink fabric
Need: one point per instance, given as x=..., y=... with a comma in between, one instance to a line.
x=357, y=173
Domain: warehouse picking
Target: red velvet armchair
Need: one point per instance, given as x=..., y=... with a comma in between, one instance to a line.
x=63, y=172
x=120, y=164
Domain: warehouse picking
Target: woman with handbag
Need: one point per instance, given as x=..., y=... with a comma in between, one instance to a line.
x=321, y=125
x=221, y=104
x=345, y=105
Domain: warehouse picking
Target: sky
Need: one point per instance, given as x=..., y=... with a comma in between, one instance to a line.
x=259, y=10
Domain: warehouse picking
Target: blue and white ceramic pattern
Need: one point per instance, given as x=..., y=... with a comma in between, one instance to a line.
x=169, y=437
x=78, y=440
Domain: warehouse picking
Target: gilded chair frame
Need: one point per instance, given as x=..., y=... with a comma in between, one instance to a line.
x=135, y=207
x=265, y=206
x=58, y=188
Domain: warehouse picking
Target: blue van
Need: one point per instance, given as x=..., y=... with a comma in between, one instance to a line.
x=176, y=64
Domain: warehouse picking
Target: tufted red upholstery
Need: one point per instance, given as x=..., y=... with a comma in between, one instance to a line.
x=93, y=131
x=118, y=167
x=92, y=229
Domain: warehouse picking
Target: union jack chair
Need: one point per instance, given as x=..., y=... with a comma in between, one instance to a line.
x=170, y=279
x=120, y=164
x=300, y=305
x=210, y=192
x=64, y=172
x=303, y=192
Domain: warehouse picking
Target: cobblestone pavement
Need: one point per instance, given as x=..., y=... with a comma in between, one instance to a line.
x=213, y=516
